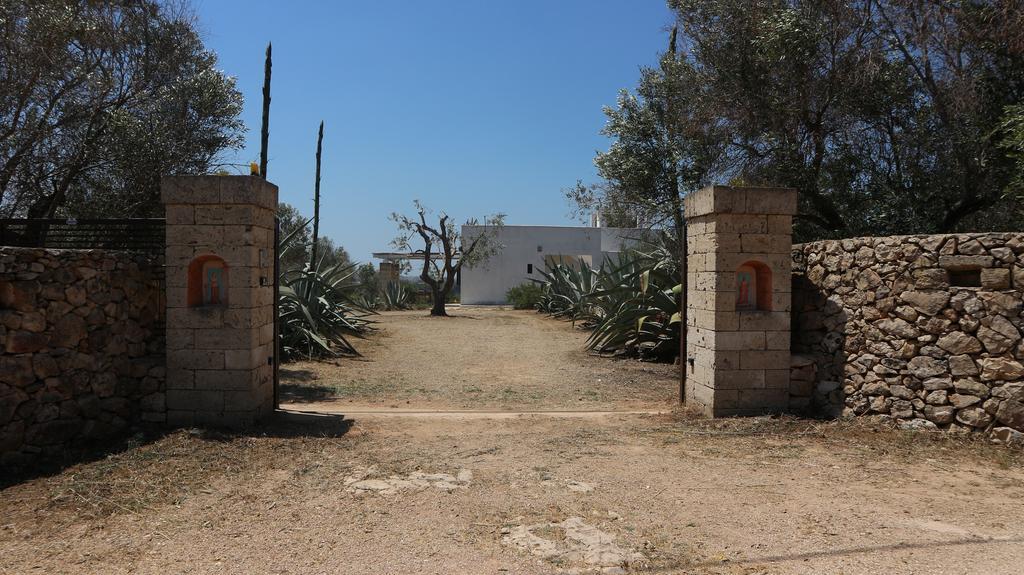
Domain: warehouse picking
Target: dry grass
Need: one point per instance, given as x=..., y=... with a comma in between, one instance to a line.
x=169, y=470
x=864, y=435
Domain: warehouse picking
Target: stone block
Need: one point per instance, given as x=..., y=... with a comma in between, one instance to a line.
x=738, y=224
x=244, y=358
x=180, y=215
x=191, y=190
x=242, y=235
x=757, y=359
x=752, y=401
x=194, y=400
x=220, y=214
x=226, y=338
x=764, y=321
x=244, y=297
x=180, y=378
x=777, y=378
x=249, y=190
x=178, y=256
x=241, y=401
x=738, y=379
x=225, y=380
x=195, y=359
x=780, y=225
x=777, y=340
x=740, y=341
x=197, y=318
x=25, y=341
x=995, y=278
x=965, y=263
x=179, y=338
x=204, y=237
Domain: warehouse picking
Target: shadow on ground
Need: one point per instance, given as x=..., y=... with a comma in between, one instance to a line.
x=305, y=393
x=283, y=424
x=297, y=374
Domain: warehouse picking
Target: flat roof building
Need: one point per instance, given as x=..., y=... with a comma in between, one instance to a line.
x=527, y=250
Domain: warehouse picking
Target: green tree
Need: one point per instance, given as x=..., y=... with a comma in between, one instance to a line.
x=662, y=148
x=1013, y=143
x=98, y=100
x=299, y=255
x=879, y=113
x=884, y=115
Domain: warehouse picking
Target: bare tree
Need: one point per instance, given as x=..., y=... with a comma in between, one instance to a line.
x=445, y=251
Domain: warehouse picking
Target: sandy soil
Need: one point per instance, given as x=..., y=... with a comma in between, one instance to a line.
x=531, y=494
x=480, y=358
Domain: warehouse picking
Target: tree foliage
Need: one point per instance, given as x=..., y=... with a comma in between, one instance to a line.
x=885, y=115
x=98, y=100
x=294, y=224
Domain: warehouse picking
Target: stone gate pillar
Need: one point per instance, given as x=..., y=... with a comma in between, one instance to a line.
x=738, y=299
x=220, y=315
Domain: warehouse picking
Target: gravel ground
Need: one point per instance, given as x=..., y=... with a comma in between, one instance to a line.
x=531, y=494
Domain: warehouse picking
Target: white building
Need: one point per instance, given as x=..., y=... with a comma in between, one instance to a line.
x=529, y=249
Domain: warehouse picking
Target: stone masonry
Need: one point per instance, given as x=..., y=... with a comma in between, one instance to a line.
x=220, y=357
x=82, y=357
x=923, y=330
x=737, y=360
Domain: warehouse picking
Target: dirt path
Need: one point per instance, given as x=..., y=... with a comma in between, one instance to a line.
x=482, y=358
x=526, y=493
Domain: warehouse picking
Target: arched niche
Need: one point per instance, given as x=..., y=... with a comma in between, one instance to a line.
x=208, y=282
x=753, y=287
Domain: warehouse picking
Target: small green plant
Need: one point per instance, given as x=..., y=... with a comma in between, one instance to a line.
x=525, y=296
x=396, y=297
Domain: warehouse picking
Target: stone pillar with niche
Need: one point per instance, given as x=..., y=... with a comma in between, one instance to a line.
x=220, y=313
x=739, y=267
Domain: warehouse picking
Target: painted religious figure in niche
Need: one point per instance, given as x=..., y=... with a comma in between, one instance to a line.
x=746, y=288
x=215, y=285
x=208, y=282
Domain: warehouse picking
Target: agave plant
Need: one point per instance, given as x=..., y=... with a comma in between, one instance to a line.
x=395, y=296
x=631, y=302
x=636, y=309
x=317, y=309
x=566, y=288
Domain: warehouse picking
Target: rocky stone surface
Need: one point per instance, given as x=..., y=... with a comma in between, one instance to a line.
x=924, y=330
x=82, y=335
x=573, y=542
x=370, y=480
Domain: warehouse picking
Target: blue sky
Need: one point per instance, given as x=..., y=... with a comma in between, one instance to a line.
x=473, y=107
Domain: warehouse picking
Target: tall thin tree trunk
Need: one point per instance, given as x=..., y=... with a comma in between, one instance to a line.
x=265, y=127
x=316, y=199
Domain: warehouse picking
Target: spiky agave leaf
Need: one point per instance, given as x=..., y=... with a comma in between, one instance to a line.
x=631, y=301
x=319, y=311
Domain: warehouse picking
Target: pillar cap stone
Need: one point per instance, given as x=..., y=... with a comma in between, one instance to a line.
x=248, y=190
x=741, y=200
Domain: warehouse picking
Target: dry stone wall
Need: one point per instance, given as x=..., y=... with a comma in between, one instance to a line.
x=925, y=330
x=83, y=349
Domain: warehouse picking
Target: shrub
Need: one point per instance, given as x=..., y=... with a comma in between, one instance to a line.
x=525, y=296
x=319, y=308
x=631, y=303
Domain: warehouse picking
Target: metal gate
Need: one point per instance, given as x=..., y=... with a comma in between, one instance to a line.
x=277, y=312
